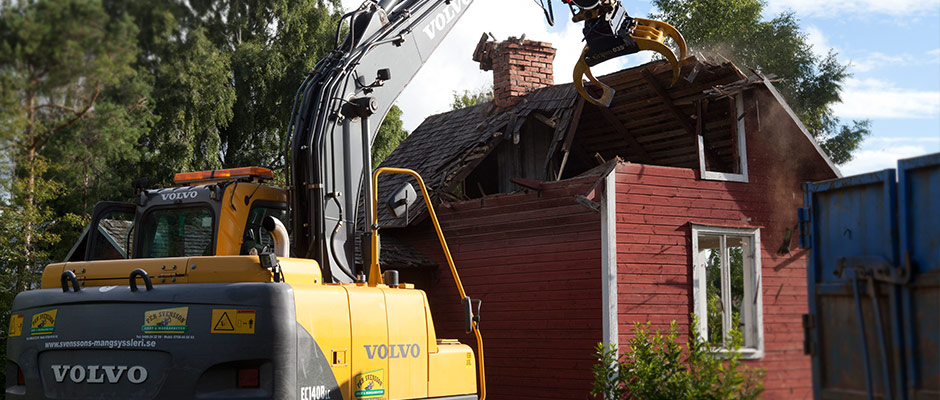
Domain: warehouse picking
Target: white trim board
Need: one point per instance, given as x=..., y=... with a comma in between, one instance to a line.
x=609, y=260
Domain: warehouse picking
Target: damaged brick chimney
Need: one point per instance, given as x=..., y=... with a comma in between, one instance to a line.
x=519, y=66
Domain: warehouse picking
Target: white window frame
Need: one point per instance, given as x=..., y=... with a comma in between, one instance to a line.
x=742, y=149
x=753, y=346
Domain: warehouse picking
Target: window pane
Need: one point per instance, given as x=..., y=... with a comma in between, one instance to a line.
x=256, y=237
x=112, y=236
x=178, y=232
x=736, y=264
x=727, y=287
x=710, y=246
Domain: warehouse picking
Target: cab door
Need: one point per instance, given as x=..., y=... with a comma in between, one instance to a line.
x=109, y=235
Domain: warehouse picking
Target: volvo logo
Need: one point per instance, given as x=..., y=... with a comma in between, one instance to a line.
x=393, y=351
x=178, y=195
x=99, y=373
x=444, y=17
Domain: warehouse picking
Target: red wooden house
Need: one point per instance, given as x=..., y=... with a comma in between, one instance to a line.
x=572, y=222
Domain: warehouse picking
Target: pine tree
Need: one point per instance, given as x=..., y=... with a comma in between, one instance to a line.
x=66, y=72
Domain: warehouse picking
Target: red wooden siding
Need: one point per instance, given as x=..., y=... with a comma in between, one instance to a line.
x=534, y=260
x=655, y=206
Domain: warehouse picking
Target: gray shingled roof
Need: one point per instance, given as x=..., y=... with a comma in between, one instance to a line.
x=445, y=144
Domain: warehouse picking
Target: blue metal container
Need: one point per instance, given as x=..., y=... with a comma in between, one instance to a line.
x=873, y=274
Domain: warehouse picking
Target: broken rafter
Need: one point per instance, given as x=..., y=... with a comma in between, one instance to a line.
x=634, y=145
x=578, y=108
x=680, y=116
x=550, y=122
x=569, y=137
x=736, y=87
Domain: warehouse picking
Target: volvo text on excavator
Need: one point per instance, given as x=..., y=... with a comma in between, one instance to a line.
x=227, y=286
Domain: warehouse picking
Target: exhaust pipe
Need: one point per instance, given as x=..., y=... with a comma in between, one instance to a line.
x=279, y=233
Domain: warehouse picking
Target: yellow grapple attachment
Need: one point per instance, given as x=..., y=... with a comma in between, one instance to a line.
x=648, y=35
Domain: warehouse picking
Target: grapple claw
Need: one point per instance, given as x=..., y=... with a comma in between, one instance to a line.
x=659, y=29
x=650, y=35
x=580, y=70
x=606, y=41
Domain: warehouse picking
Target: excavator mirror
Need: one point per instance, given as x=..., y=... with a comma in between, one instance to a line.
x=471, y=313
x=384, y=74
x=401, y=199
x=467, y=314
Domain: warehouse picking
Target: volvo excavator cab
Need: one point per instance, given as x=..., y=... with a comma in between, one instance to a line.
x=211, y=213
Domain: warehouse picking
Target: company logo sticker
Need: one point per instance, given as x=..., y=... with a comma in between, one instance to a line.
x=370, y=384
x=168, y=320
x=43, y=323
x=233, y=321
x=16, y=325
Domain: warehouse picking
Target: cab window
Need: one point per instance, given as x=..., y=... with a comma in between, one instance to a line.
x=256, y=238
x=113, y=237
x=177, y=232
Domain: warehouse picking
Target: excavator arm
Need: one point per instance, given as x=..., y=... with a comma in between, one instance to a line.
x=337, y=112
x=342, y=101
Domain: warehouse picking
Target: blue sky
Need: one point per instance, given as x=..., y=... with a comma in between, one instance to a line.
x=893, y=48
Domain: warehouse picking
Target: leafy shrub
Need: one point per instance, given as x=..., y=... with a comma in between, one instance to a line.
x=655, y=366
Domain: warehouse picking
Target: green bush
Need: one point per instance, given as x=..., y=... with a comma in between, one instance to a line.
x=655, y=366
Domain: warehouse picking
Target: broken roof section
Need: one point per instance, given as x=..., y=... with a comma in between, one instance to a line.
x=446, y=147
x=552, y=134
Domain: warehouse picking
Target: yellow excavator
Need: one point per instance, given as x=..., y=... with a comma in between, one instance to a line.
x=229, y=287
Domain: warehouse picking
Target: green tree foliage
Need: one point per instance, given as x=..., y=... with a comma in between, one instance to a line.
x=811, y=84
x=657, y=366
x=391, y=133
x=67, y=75
x=471, y=98
x=224, y=74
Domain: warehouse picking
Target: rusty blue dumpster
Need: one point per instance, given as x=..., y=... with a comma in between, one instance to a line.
x=873, y=274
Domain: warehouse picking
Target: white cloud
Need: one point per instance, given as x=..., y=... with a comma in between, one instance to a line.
x=818, y=41
x=451, y=68
x=876, y=158
x=934, y=56
x=872, y=98
x=878, y=60
x=841, y=8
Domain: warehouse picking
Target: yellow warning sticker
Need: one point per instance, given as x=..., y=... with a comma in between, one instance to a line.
x=43, y=323
x=469, y=360
x=226, y=320
x=16, y=325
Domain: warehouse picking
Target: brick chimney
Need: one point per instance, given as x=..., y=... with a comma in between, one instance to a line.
x=519, y=66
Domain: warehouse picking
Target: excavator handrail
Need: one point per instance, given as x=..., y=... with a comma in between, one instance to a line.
x=375, y=273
